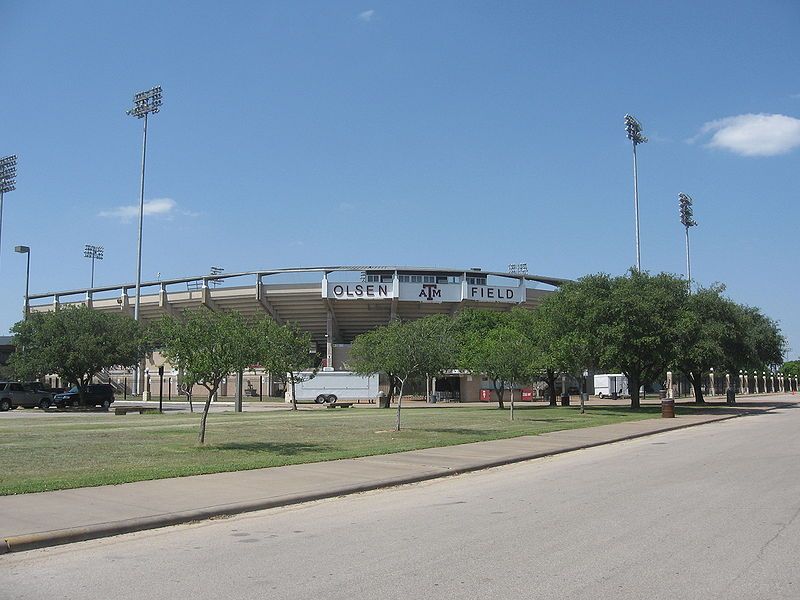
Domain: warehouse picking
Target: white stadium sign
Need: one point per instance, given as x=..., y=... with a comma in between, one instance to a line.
x=422, y=292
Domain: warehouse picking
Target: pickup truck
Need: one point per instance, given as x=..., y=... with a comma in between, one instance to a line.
x=14, y=394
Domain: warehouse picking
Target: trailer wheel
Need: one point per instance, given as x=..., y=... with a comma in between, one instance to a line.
x=330, y=399
x=321, y=399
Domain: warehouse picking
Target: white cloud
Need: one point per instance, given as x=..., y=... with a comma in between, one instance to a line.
x=366, y=15
x=157, y=207
x=753, y=135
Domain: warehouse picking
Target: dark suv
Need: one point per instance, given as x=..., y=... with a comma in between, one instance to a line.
x=96, y=394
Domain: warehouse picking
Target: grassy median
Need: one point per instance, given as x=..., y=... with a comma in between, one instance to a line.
x=58, y=452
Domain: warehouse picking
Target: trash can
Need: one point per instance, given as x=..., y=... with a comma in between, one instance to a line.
x=564, y=399
x=730, y=396
x=382, y=400
x=667, y=405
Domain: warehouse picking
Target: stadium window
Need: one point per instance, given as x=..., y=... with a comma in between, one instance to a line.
x=428, y=279
x=405, y=278
x=416, y=279
x=372, y=279
x=387, y=278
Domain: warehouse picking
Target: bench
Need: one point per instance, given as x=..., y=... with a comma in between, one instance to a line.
x=124, y=410
x=339, y=405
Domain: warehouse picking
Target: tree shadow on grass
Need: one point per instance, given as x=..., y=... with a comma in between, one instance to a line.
x=279, y=448
x=457, y=430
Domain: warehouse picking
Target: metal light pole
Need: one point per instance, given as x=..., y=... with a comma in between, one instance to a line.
x=144, y=103
x=634, y=131
x=26, y=250
x=95, y=253
x=8, y=180
x=687, y=219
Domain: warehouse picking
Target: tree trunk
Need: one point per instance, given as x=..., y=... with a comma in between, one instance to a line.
x=189, y=395
x=82, y=391
x=294, y=398
x=551, y=388
x=634, y=383
x=202, y=437
x=697, y=384
x=500, y=391
x=512, y=403
x=399, y=404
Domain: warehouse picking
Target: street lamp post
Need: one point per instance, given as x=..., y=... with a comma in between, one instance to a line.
x=95, y=253
x=687, y=220
x=634, y=131
x=144, y=103
x=26, y=250
x=8, y=181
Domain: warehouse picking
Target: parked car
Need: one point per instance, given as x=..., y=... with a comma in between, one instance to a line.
x=96, y=394
x=14, y=394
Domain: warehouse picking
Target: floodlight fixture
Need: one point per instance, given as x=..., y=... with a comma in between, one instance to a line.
x=146, y=102
x=518, y=268
x=686, y=211
x=94, y=253
x=213, y=271
x=633, y=129
x=8, y=181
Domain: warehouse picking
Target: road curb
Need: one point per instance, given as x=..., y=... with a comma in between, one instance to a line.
x=58, y=537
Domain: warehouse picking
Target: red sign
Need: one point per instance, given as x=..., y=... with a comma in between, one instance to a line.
x=527, y=395
x=486, y=395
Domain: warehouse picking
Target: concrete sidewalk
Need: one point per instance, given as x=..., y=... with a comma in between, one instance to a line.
x=50, y=518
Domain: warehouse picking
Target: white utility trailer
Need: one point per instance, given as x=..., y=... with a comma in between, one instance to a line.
x=606, y=385
x=334, y=386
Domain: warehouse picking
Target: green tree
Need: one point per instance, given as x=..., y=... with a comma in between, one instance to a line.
x=284, y=350
x=405, y=350
x=791, y=367
x=710, y=334
x=557, y=346
x=626, y=323
x=207, y=346
x=765, y=345
x=484, y=338
x=76, y=343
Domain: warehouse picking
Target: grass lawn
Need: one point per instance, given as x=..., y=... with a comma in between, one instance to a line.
x=58, y=452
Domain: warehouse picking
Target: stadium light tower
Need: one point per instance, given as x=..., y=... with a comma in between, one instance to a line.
x=95, y=253
x=144, y=103
x=687, y=220
x=8, y=180
x=634, y=130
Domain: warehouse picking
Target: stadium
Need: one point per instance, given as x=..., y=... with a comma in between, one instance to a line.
x=334, y=303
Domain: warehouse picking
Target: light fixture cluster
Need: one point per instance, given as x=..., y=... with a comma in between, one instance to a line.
x=146, y=102
x=8, y=173
x=686, y=211
x=634, y=130
x=94, y=252
x=518, y=268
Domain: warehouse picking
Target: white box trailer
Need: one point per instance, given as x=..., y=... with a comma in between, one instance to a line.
x=333, y=386
x=608, y=384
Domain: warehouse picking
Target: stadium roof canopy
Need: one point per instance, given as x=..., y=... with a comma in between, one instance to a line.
x=334, y=301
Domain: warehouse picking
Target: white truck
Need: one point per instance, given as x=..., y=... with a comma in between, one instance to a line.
x=327, y=387
x=607, y=385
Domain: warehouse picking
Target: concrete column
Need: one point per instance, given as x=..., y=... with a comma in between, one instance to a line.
x=727, y=382
x=755, y=381
x=712, y=391
x=764, y=377
x=329, y=339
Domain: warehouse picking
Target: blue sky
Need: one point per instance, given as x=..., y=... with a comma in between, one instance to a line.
x=430, y=133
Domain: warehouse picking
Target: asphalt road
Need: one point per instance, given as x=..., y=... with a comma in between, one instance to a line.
x=706, y=512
